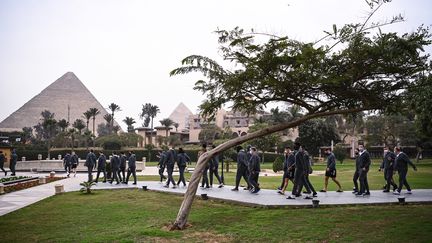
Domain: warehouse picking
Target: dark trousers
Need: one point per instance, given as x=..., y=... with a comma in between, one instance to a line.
x=121, y=174
x=364, y=185
x=182, y=178
x=215, y=172
x=388, y=175
x=355, y=179
x=115, y=176
x=131, y=170
x=298, y=182
x=170, y=170
x=402, y=180
x=253, y=179
x=308, y=185
x=1, y=168
x=90, y=173
x=67, y=168
x=241, y=172
x=205, y=180
x=161, y=171
x=12, y=167
x=98, y=173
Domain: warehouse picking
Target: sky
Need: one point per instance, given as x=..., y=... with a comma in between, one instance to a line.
x=124, y=50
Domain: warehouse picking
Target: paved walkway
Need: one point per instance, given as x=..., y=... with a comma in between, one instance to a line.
x=268, y=198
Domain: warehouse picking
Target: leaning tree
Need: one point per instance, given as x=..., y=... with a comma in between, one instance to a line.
x=352, y=69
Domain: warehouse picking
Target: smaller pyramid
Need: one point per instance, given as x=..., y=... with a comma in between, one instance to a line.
x=181, y=115
x=67, y=97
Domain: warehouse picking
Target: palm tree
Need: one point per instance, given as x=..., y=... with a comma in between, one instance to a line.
x=149, y=111
x=71, y=133
x=94, y=112
x=113, y=108
x=87, y=115
x=129, y=122
x=79, y=125
x=167, y=123
x=176, y=125
x=63, y=124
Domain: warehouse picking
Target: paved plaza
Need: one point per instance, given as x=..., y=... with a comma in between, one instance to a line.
x=266, y=198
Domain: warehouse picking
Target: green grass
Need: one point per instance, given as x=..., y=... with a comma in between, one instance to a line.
x=138, y=216
x=421, y=179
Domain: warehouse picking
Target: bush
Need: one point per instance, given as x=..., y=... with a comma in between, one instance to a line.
x=340, y=153
x=111, y=145
x=278, y=164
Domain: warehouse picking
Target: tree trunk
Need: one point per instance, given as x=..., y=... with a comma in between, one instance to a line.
x=182, y=216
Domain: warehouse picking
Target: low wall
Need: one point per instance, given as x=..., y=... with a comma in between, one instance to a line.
x=57, y=165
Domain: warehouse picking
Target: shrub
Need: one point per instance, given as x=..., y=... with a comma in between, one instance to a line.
x=278, y=164
x=340, y=153
x=86, y=187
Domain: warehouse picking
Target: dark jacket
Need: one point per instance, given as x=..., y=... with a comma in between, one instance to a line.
x=90, y=160
x=242, y=159
x=171, y=158
x=307, y=163
x=2, y=160
x=298, y=158
x=182, y=159
x=402, y=161
x=331, y=161
x=254, y=164
x=364, y=160
x=291, y=161
x=67, y=160
x=101, y=161
x=14, y=158
x=388, y=161
x=214, y=162
x=162, y=159
x=122, y=161
x=357, y=163
x=115, y=162
x=74, y=159
x=132, y=161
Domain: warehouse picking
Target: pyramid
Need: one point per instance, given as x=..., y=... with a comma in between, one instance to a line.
x=181, y=115
x=67, y=91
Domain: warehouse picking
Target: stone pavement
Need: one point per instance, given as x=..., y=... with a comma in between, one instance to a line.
x=266, y=198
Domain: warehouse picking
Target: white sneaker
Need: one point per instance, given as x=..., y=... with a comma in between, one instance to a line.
x=408, y=192
x=396, y=193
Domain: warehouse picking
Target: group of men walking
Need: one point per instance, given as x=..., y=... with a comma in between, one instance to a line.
x=167, y=160
x=248, y=167
x=12, y=164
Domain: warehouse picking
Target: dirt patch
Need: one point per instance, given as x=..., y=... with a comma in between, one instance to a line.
x=207, y=237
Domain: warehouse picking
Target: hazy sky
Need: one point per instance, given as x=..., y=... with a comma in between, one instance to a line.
x=123, y=50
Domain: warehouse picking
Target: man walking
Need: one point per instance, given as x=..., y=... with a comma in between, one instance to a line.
x=298, y=173
x=254, y=170
x=388, y=166
x=356, y=172
x=331, y=171
x=214, y=165
x=131, y=167
x=205, y=180
x=241, y=168
x=67, y=163
x=401, y=165
x=170, y=161
x=122, y=168
x=115, y=165
x=101, y=167
x=364, y=163
x=2, y=160
x=75, y=162
x=308, y=170
x=13, y=162
x=289, y=168
x=90, y=164
x=183, y=159
x=161, y=165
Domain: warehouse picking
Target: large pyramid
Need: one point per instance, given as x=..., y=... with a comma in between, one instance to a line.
x=181, y=115
x=66, y=95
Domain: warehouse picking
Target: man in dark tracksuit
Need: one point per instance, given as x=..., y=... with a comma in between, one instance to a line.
x=387, y=165
x=2, y=160
x=161, y=165
x=122, y=168
x=308, y=170
x=75, y=162
x=171, y=159
x=90, y=164
x=101, y=167
x=364, y=163
x=205, y=179
x=356, y=172
x=13, y=162
x=131, y=167
x=214, y=165
x=254, y=170
x=241, y=168
x=289, y=168
x=401, y=165
x=115, y=165
x=298, y=173
x=182, y=160
x=331, y=171
x=67, y=163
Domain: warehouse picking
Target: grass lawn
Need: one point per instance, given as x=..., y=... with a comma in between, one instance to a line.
x=138, y=216
x=421, y=179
